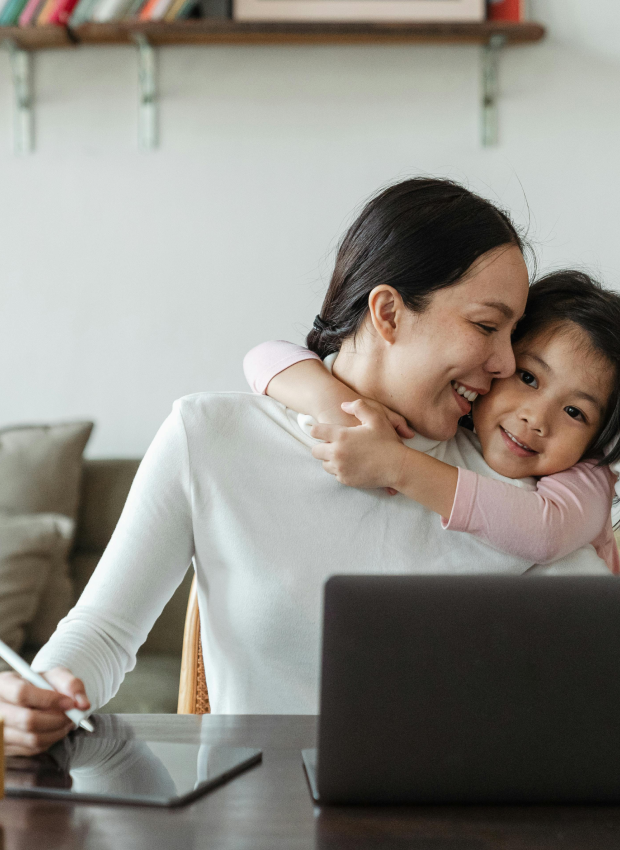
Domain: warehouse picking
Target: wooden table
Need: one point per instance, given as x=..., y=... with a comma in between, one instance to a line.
x=269, y=808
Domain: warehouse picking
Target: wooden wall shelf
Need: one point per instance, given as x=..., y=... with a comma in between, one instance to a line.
x=145, y=37
x=221, y=31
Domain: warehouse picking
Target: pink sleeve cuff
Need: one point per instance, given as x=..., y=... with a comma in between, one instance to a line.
x=268, y=359
x=464, y=499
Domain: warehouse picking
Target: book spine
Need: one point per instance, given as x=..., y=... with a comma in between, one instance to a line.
x=505, y=10
x=46, y=10
x=81, y=13
x=30, y=10
x=147, y=10
x=62, y=12
x=133, y=9
x=160, y=9
x=11, y=12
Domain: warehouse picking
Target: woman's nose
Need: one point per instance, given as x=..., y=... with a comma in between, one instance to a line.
x=501, y=363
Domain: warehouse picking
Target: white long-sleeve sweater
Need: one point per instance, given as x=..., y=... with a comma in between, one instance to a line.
x=230, y=481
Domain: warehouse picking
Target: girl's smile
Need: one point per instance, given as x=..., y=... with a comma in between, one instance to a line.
x=513, y=445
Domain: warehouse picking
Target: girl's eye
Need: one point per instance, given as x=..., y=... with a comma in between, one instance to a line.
x=486, y=328
x=528, y=378
x=574, y=413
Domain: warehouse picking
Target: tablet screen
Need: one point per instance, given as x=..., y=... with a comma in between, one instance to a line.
x=90, y=768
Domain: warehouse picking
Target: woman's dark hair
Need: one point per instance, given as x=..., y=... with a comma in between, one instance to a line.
x=567, y=298
x=418, y=236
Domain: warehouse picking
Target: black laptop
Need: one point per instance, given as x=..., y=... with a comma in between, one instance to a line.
x=485, y=689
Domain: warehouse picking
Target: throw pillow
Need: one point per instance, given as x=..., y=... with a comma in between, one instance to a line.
x=41, y=468
x=41, y=472
x=30, y=548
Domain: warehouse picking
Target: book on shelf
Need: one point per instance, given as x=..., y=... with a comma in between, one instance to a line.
x=45, y=11
x=506, y=10
x=74, y=13
x=9, y=17
x=82, y=12
x=61, y=12
x=154, y=10
x=179, y=9
x=30, y=12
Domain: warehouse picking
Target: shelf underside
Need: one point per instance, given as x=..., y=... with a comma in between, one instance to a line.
x=222, y=31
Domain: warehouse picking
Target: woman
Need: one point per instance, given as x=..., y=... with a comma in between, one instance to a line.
x=230, y=480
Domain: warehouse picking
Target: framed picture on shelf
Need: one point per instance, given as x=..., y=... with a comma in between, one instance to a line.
x=350, y=11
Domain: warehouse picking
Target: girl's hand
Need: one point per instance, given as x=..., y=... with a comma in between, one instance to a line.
x=369, y=455
x=34, y=718
x=342, y=414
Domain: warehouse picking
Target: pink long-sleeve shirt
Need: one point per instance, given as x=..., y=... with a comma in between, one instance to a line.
x=567, y=510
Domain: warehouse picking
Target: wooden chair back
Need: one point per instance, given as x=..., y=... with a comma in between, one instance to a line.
x=193, y=693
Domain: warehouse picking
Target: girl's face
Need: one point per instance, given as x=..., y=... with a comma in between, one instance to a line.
x=461, y=341
x=542, y=419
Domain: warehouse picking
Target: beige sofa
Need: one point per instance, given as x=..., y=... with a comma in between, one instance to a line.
x=153, y=685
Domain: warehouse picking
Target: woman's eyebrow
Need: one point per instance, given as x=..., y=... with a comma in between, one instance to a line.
x=503, y=308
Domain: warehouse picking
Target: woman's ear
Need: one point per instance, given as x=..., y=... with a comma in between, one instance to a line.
x=385, y=307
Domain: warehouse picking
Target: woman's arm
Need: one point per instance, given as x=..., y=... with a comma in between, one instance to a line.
x=144, y=563
x=568, y=510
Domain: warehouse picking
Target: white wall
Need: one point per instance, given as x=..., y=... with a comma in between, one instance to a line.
x=129, y=279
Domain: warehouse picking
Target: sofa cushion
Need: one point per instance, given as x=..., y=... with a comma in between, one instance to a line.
x=31, y=546
x=41, y=467
x=40, y=472
x=105, y=485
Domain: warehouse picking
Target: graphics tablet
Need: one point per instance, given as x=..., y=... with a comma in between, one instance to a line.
x=148, y=773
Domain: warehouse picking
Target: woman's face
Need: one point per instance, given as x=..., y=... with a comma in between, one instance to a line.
x=437, y=361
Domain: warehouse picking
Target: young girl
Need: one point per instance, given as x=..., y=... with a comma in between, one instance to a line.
x=551, y=428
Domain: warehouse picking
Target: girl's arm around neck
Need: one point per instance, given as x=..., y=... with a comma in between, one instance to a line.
x=372, y=456
x=296, y=377
x=567, y=511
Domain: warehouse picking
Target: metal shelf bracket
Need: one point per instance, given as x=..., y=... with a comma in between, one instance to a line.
x=23, y=113
x=147, y=115
x=490, y=89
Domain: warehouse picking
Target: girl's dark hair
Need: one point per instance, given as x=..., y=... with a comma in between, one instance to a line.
x=566, y=298
x=418, y=236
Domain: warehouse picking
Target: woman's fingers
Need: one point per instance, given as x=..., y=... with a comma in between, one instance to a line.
x=19, y=743
x=63, y=681
x=14, y=689
x=32, y=719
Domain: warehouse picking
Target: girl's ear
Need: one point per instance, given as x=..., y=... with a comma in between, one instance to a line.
x=385, y=307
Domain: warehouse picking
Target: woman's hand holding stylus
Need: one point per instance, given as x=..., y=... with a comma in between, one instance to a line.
x=34, y=718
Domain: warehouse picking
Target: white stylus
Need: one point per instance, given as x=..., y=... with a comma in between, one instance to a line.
x=26, y=672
